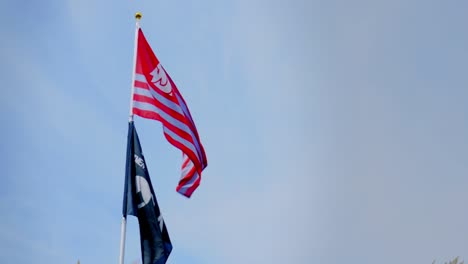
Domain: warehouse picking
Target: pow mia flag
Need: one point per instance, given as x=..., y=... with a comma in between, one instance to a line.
x=140, y=201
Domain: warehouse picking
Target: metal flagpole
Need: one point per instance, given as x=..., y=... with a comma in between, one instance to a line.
x=137, y=27
x=123, y=227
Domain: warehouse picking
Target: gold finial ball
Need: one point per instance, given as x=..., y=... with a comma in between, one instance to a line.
x=138, y=15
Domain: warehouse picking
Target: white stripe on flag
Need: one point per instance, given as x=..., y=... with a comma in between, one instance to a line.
x=140, y=78
x=176, y=108
x=187, y=168
x=190, y=183
x=180, y=125
x=181, y=140
x=142, y=91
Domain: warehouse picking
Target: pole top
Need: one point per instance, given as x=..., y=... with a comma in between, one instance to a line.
x=138, y=15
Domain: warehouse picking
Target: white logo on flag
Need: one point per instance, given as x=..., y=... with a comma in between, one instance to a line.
x=143, y=187
x=139, y=161
x=161, y=222
x=160, y=79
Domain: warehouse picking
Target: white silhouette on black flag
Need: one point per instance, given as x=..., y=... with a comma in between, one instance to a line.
x=140, y=201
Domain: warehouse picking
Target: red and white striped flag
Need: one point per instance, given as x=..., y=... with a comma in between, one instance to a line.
x=156, y=97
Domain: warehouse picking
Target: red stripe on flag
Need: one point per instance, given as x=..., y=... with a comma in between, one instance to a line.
x=161, y=106
x=185, y=162
x=189, y=191
x=176, y=130
x=143, y=85
x=187, y=151
x=188, y=176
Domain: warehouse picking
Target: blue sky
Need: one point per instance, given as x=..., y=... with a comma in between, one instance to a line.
x=335, y=130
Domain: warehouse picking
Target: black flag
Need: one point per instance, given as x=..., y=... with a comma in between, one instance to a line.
x=140, y=201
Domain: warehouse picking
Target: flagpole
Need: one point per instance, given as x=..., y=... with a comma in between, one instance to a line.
x=137, y=27
x=123, y=226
